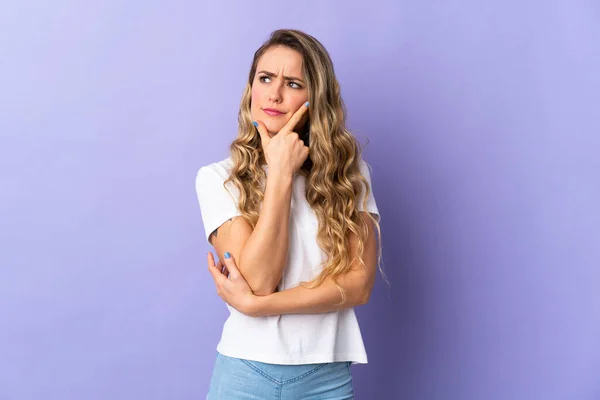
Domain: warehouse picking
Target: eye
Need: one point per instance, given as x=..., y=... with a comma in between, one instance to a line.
x=294, y=85
x=264, y=79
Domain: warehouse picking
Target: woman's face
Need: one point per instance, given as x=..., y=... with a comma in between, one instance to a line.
x=278, y=88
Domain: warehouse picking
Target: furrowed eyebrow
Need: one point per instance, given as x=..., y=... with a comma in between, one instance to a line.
x=289, y=78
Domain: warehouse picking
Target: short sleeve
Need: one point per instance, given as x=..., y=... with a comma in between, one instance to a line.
x=364, y=169
x=217, y=203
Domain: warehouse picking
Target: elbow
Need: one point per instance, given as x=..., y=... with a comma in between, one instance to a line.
x=264, y=287
x=259, y=284
x=364, y=298
x=365, y=294
x=263, y=291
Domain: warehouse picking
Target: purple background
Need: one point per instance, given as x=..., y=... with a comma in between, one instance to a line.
x=484, y=128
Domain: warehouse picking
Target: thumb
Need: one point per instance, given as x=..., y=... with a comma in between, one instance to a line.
x=263, y=132
x=234, y=272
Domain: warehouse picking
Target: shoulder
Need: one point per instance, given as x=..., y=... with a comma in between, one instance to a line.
x=212, y=174
x=365, y=169
x=220, y=169
x=363, y=164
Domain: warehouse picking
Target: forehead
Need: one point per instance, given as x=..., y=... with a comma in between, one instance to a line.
x=281, y=59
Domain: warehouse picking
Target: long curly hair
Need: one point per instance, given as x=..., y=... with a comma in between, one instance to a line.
x=334, y=183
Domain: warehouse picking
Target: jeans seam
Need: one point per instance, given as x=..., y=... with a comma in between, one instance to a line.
x=304, y=375
x=261, y=372
x=351, y=380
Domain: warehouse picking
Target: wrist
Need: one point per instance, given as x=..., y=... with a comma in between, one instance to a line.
x=279, y=175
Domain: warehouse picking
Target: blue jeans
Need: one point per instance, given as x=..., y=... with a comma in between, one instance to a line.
x=237, y=379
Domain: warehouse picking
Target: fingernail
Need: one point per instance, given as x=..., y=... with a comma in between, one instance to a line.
x=227, y=255
x=306, y=104
x=255, y=123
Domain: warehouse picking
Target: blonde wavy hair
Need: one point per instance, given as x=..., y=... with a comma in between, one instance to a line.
x=331, y=169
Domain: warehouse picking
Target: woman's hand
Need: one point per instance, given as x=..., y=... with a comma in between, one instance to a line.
x=284, y=152
x=231, y=286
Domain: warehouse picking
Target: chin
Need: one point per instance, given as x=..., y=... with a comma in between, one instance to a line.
x=273, y=128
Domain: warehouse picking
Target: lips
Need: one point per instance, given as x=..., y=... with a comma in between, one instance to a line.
x=272, y=112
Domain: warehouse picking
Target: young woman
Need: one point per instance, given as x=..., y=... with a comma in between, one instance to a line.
x=292, y=217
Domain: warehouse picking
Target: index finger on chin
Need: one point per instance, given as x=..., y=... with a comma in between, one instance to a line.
x=291, y=124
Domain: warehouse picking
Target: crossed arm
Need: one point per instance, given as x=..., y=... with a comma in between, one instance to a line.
x=357, y=283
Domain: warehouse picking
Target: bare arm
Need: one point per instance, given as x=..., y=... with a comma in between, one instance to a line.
x=322, y=299
x=262, y=252
x=358, y=283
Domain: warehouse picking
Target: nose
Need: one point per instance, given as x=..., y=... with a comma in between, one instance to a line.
x=275, y=93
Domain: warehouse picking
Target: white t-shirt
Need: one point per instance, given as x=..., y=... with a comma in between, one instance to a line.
x=288, y=338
